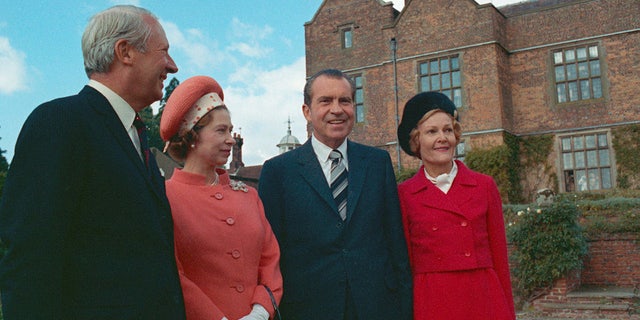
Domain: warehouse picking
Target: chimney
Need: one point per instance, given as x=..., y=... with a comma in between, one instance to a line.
x=236, y=154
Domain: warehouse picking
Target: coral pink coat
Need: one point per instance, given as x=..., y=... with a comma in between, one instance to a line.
x=457, y=248
x=225, y=248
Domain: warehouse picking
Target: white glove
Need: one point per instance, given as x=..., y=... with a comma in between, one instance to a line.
x=258, y=312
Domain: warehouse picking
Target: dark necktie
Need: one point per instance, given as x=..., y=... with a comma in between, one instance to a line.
x=339, y=182
x=142, y=135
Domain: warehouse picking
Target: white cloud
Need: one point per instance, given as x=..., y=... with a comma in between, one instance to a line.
x=248, y=39
x=200, y=52
x=14, y=72
x=261, y=102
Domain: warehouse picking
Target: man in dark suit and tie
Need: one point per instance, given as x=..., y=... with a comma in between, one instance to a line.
x=343, y=254
x=84, y=214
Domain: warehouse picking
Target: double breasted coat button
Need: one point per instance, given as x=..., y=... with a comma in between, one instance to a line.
x=235, y=254
x=218, y=195
x=231, y=221
x=467, y=254
x=434, y=228
x=464, y=223
x=240, y=288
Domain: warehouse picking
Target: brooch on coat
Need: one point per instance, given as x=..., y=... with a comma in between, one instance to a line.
x=238, y=185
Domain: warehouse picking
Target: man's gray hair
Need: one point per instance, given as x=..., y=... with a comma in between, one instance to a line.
x=106, y=28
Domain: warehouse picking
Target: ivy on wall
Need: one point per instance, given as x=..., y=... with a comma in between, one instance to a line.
x=626, y=143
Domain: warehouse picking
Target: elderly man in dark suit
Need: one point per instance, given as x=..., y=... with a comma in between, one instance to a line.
x=84, y=213
x=333, y=205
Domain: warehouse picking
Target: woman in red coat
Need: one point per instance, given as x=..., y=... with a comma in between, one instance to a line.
x=226, y=251
x=453, y=221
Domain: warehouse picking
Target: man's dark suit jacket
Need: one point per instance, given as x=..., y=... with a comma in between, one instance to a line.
x=88, y=229
x=321, y=254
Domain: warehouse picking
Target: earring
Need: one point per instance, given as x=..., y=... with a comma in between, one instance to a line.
x=193, y=146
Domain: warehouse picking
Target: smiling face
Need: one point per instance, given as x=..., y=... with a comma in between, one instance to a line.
x=214, y=142
x=331, y=111
x=153, y=65
x=437, y=143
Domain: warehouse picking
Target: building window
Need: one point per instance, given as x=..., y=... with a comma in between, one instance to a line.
x=359, y=102
x=460, y=152
x=577, y=74
x=442, y=75
x=586, y=162
x=347, y=38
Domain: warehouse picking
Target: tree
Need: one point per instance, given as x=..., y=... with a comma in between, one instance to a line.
x=4, y=168
x=153, y=121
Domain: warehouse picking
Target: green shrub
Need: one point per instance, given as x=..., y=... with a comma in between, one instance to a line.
x=548, y=243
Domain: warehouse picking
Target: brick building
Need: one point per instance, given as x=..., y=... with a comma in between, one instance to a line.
x=568, y=69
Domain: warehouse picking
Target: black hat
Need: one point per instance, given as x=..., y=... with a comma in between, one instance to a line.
x=416, y=108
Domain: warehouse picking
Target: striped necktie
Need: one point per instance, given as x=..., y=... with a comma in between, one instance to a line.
x=339, y=182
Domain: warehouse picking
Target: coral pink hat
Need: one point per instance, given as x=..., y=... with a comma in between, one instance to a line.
x=188, y=103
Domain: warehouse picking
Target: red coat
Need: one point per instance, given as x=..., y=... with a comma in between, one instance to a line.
x=457, y=247
x=225, y=248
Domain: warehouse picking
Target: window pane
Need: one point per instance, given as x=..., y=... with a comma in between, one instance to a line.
x=447, y=93
x=455, y=79
x=583, y=70
x=595, y=67
x=592, y=159
x=446, y=80
x=433, y=66
x=590, y=141
x=597, y=88
x=602, y=140
x=594, y=180
x=359, y=113
x=582, y=180
x=457, y=97
x=573, y=91
x=603, y=154
x=562, y=92
x=593, y=52
x=578, y=143
x=582, y=54
x=606, y=178
x=435, y=83
x=572, y=73
x=584, y=89
x=579, y=159
x=570, y=55
x=424, y=68
x=460, y=149
x=559, y=73
x=567, y=160
x=424, y=84
x=566, y=144
x=359, y=96
x=557, y=57
x=454, y=63
x=358, y=81
x=347, y=39
x=444, y=65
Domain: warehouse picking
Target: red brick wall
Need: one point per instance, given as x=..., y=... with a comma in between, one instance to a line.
x=613, y=260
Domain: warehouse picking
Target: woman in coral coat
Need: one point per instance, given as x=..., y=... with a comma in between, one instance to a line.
x=227, y=254
x=453, y=221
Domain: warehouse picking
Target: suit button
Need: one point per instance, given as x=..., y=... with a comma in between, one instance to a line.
x=464, y=223
x=218, y=195
x=240, y=288
x=434, y=228
x=235, y=254
x=467, y=254
x=339, y=225
x=345, y=251
x=231, y=221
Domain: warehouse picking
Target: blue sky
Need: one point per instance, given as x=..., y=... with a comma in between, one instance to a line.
x=254, y=48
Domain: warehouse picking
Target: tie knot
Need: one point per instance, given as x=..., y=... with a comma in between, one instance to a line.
x=335, y=155
x=138, y=123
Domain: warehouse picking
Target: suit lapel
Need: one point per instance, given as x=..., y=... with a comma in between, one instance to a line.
x=309, y=168
x=113, y=125
x=358, y=166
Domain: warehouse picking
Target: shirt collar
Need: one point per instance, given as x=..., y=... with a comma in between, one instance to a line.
x=125, y=112
x=322, y=150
